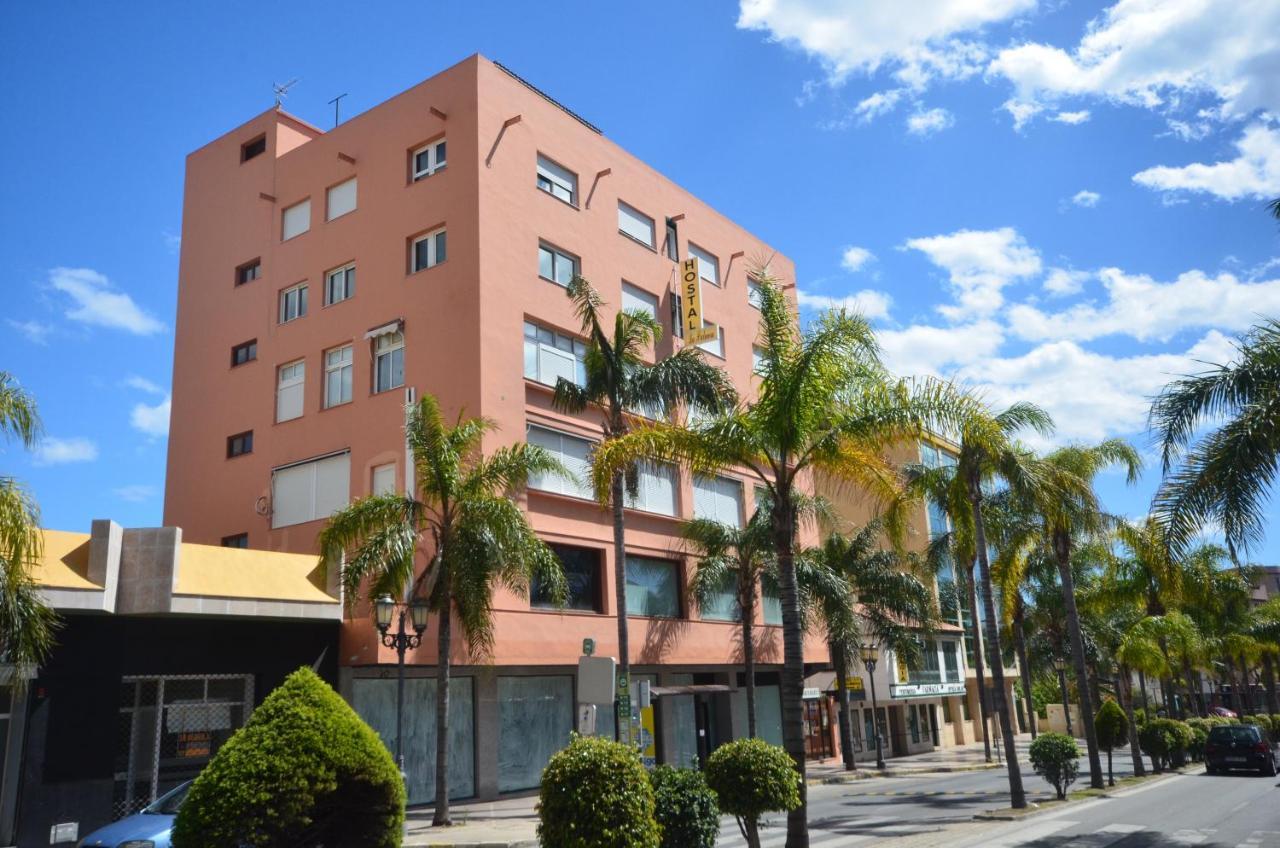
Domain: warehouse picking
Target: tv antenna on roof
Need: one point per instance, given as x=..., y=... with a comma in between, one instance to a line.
x=282, y=91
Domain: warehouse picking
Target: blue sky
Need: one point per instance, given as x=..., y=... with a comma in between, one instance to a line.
x=1055, y=201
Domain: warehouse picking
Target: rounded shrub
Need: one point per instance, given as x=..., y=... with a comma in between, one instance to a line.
x=750, y=778
x=686, y=808
x=305, y=770
x=1056, y=758
x=1199, y=736
x=1112, y=727
x=1166, y=741
x=595, y=794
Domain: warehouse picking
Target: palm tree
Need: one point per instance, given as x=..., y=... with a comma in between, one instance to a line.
x=464, y=517
x=27, y=624
x=1264, y=626
x=862, y=592
x=622, y=386
x=1224, y=476
x=1064, y=501
x=825, y=403
x=736, y=556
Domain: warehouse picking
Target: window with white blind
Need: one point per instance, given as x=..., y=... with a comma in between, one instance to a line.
x=549, y=355
x=427, y=250
x=718, y=499
x=708, y=265
x=310, y=491
x=653, y=587
x=295, y=220
x=757, y=359
x=340, y=284
x=388, y=362
x=341, y=199
x=656, y=491
x=428, y=159
x=293, y=303
x=289, y=388
x=337, y=376
x=714, y=346
x=556, y=265
x=638, y=300
x=634, y=223
x=557, y=180
x=753, y=292
x=384, y=479
x=572, y=452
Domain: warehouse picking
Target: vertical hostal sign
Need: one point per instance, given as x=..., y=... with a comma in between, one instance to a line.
x=691, y=293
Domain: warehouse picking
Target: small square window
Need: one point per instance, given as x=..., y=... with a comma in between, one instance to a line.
x=293, y=303
x=384, y=479
x=427, y=251
x=240, y=444
x=557, y=181
x=753, y=292
x=340, y=199
x=635, y=224
x=426, y=160
x=295, y=220
x=244, y=352
x=556, y=265
x=248, y=272
x=250, y=149
x=388, y=362
x=340, y=284
x=239, y=540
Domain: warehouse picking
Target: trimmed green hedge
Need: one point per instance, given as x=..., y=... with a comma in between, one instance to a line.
x=751, y=777
x=595, y=794
x=305, y=770
x=1166, y=741
x=686, y=808
x=1056, y=758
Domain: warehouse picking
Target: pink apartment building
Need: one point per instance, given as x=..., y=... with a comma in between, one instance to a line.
x=423, y=246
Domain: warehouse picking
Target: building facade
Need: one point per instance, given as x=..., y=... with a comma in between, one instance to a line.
x=327, y=278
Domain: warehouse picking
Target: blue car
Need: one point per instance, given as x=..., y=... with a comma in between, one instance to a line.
x=147, y=829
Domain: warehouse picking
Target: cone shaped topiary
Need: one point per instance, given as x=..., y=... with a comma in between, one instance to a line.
x=304, y=771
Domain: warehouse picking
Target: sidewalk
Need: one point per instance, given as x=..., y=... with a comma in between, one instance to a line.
x=512, y=822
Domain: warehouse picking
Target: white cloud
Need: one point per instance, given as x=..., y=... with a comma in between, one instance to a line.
x=854, y=258
x=930, y=122
x=58, y=451
x=1087, y=199
x=940, y=351
x=1060, y=282
x=142, y=384
x=1072, y=118
x=151, y=419
x=1145, y=309
x=34, y=331
x=97, y=302
x=1021, y=111
x=868, y=303
x=1255, y=172
x=880, y=103
x=172, y=242
x=1159, y=54
x=136, y=493
x=1188, y=130
x=934, y=38
x=980, y=264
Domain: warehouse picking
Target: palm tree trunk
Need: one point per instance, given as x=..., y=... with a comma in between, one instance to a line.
x=978, y=664
x=1193, y=691
x=1020, y=645
x=784, y=526
x=1269, y=680
x=1245, y=700
x=617, y=495
x=441, y=817
x=841, y=663
x=747, y=602
x=1124, y=688
x=1017, y=795
x=1062, y=548
x=1142, y=685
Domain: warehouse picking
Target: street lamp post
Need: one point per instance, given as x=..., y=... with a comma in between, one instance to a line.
x=384, y=609
x=871, y=655
x=1061, y=666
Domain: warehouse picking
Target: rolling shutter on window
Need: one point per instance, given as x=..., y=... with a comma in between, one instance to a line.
x=635, y=224
x=637, y=300
x=719, y=499
x=310, y=490
x=297, y=220
x=342, y=198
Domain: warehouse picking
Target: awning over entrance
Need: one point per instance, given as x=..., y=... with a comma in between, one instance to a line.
x=825, y=681
x=689, y=689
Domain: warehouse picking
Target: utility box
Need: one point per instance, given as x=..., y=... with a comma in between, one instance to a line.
x=596, y=680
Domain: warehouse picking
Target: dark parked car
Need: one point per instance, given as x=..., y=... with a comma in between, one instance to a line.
x=1240, y=746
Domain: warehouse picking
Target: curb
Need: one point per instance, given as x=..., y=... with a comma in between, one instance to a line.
x=1034, y=810
x=865, y=773
x=518, y=843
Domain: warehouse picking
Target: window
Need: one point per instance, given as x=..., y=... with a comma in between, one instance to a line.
x=771, y=603
x=723, y=604
x=634, y=223
x=427, y=160
x=341, y=199
x=677, y=317
x=572, y=453
x=337, y=376
x=339, y=284
x=714, y=346
x=753, y=292
x=757, y=359
x=427, y=250
x=293, y=303
x=384, y=479
x=548, y=356
x=638, y=300
x=296, y=220
x=951, y=661
x=239, y=540
x=673, y=241
x=653, y=587
x=244, y=352
x=582, y=573
x=657, y=489
x=719, y=499
x=557, y=181
x=556, y=266
x=240, y=444
x=311, y=490
x=708, y=265
x=248, y=272
x=289, y=389
x=388, y=362
x=253, y=148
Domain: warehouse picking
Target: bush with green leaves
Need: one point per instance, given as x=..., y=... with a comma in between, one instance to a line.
x=1112, y=728
x=1166, y=741
x=305, y=770
x=750, y=778
x=595, y=794
x=1056, y=758
x=686, y=808
x=1199, y=736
